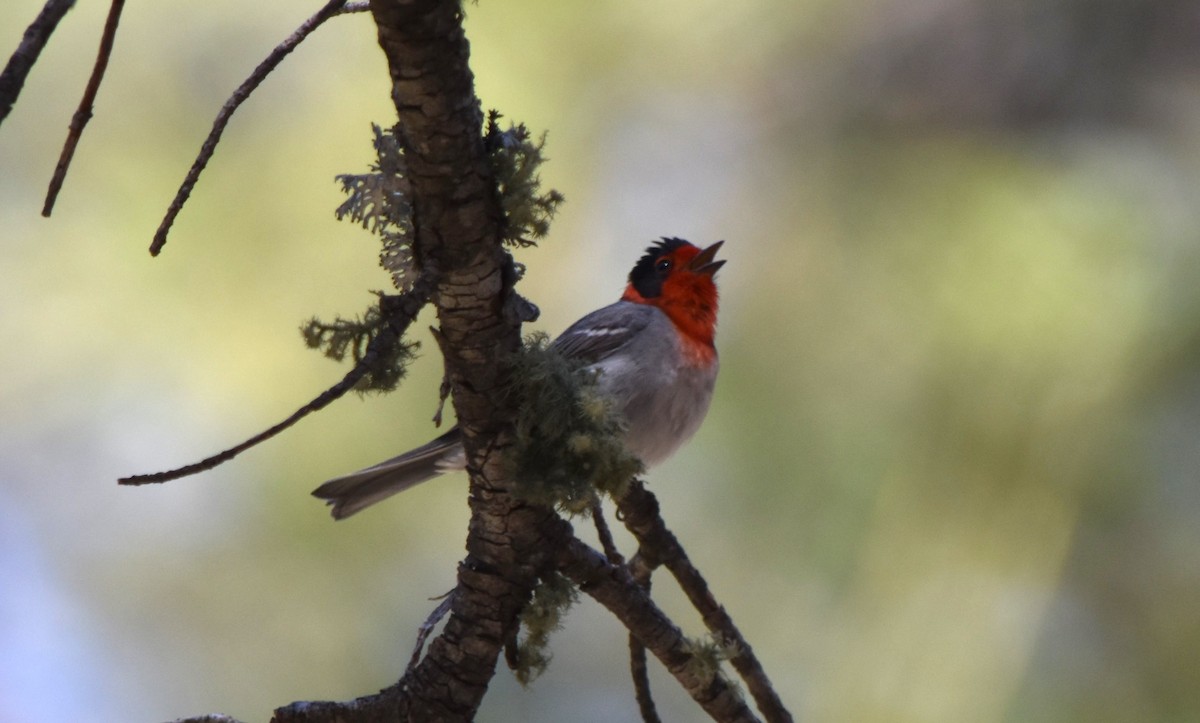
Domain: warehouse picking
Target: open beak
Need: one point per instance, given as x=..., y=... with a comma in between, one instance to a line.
x=702, y=263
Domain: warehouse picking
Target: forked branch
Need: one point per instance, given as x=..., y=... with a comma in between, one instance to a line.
x=614, y=588
x=659, y=546
x=458, y=226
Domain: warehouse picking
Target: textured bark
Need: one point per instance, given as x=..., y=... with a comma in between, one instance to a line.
x=12, y=79
x=463, y=269
x=614, y=587
x=659, y=546
x=457, y=222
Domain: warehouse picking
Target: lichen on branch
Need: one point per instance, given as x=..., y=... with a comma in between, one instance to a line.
x=708, y=653
x=552, y=598
x=569, y=444
x=359, y=336
x=515, y=159
x=380, y=201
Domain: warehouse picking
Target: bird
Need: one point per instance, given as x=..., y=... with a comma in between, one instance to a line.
x=653, y=354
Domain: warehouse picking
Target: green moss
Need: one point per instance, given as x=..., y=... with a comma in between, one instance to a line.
x=353, y=337
x=379, y=202
x=569, y=440
x=544, y=614
x=515, y=159
x=707, y=655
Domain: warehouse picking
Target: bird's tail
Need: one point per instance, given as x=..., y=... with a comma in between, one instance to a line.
x=358, y=490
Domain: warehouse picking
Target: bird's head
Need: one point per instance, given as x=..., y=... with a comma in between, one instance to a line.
x=677, y=277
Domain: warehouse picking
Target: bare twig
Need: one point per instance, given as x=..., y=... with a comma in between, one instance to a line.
x=427, y=627
x=641, y=572
x=21, y=62
x=637, y=651
x=329, y=10
x=405, y=309
x=605, y=534
x=641, y=681
x=659, y=545
x=83, y=113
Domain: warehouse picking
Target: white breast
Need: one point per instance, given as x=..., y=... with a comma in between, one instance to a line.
x=664, y=398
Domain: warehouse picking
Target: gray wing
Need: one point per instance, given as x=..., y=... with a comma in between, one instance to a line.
x=598, y=335
x=604, y=332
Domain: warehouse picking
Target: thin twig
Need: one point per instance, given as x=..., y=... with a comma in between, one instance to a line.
x=637, y=651
x=640, y=510
x=445, y=388
x=427, y=627
x=641, y=681
x=23, y=58
x=605, y=534
x=406, y=307
x=614, y=588
x=329, y=10
x=641, y=572
x=83, y=113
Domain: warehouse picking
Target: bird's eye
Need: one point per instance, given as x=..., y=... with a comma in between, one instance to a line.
x=663, y=265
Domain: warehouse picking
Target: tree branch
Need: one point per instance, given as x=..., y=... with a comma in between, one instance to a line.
x=457, y=227
x=606, y=538
x=640, y=512
x=399, y=310
x=641, y=573
x=641, y=681
x=21, y=61
x=614, y=588
x=83, y=113
x=330, y=9
x=456, y=223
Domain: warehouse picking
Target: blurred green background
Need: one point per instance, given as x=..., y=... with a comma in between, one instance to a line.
x=951, y=471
